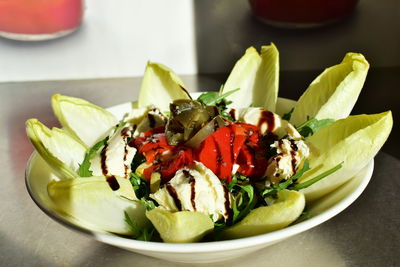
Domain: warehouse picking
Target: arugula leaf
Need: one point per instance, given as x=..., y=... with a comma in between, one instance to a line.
x=140, y=186
x=148, y=203
x=237, y=180
x=137, y=233
x=288, y=115
x=215, y=98
x=219, y=100
x=317, y=178
x=312, y=126
x=288, y=182
x=243, y=202
x=84, y=167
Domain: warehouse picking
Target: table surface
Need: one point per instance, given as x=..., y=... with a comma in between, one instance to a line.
x=365, y=234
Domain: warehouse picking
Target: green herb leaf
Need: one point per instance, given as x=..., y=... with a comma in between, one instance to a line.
x=137, y=233
x=312, y=126
x=243, y=202
x=285, y=184
x=84, y=167
x=317, y=178
x=140, y=186
x=148, y=203
x=288, y=115
x=214, y=98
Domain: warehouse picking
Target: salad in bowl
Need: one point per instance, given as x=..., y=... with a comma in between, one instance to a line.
x=182, y=168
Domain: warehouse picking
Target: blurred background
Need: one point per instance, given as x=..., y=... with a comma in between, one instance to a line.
x=117, y=38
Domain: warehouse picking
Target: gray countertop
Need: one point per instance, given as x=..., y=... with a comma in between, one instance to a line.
x=365, y=234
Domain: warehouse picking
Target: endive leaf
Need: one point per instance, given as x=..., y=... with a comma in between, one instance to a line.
x=58, y=148
x=353, y=141
x=91, y=203
x=160, y=87
x=334, y=92
x=257, y=76
x=265, y=91
x=180, y=226
x=86, y=121
x=285, y=210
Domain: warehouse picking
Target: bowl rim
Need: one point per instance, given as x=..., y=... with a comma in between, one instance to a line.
x=201, y=247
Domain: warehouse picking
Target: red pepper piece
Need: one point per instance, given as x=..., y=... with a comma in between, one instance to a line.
x=239, y=137
x=207, y=154
x=168, y=166
x=246, y=161
x=223, y=140
x=181, y=158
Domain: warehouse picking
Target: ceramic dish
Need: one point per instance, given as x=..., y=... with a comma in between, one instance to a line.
x=38, y=174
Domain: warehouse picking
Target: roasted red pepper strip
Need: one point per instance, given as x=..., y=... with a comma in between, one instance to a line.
x=207, y=154
x=239, y=137
x=223, y=140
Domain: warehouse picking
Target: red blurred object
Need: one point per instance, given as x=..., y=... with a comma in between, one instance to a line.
x=301, y=13
x=39, y=19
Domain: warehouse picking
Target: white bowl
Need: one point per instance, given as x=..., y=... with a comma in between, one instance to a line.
x=38, y=174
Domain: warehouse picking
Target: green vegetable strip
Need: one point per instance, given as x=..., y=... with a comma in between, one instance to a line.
x=312, y=126
x=317, y=178
x=213, y=98
x=284, y=185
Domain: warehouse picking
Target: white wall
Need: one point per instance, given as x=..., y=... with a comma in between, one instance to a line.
x=116, y=39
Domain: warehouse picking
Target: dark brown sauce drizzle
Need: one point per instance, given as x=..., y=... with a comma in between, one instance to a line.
x=293, y=145
x=103, y=160
x=293, y=154
x=126, y=167
x=267, y=117
x=125, y=135
x=193, y=194
x=152, y=120
x=192, y=182
x=227, y=214
x=232, y=113
x=125, y=132
x=171, y=190
x=112, y=182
